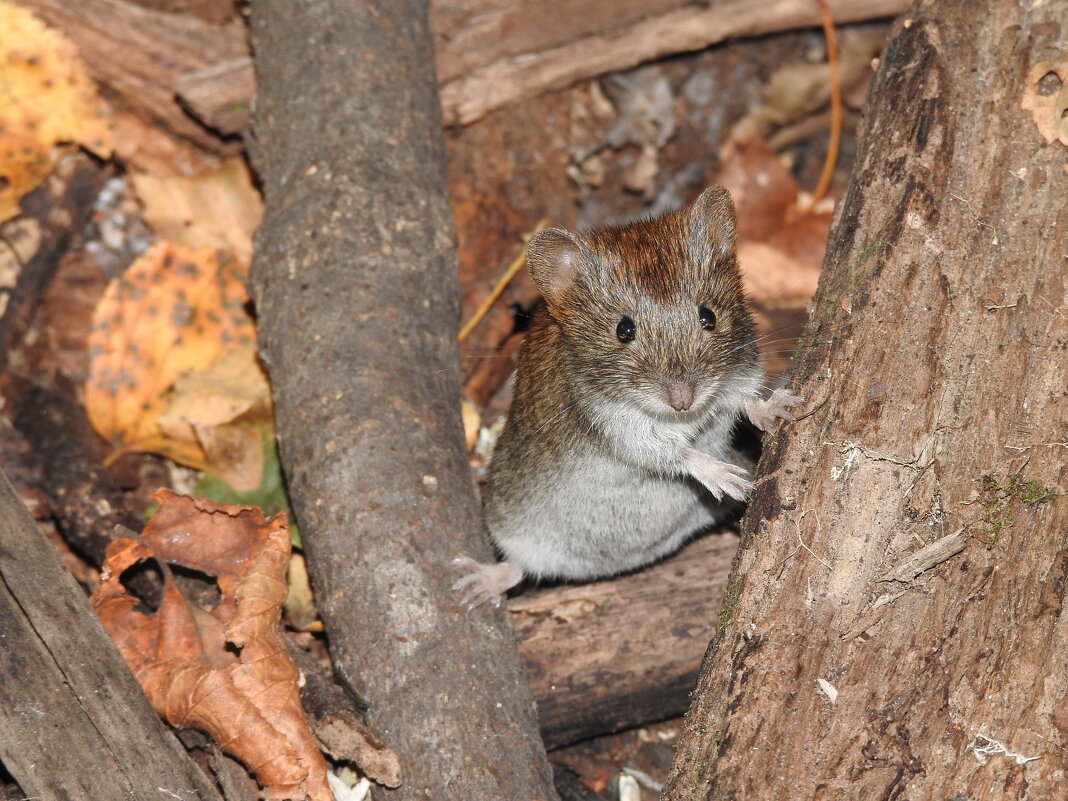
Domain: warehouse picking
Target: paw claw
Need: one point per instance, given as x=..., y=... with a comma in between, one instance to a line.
x=765, y=413
x=719, y=478
x=484, y=583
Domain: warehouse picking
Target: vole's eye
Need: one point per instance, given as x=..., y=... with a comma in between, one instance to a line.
x=708, y=318
x=625, y=329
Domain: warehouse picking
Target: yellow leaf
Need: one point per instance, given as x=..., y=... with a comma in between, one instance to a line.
x=48, y=98
x=219, y=210
x=204, y=404
x=472, y=423
x=300, y=602
x=175, y=311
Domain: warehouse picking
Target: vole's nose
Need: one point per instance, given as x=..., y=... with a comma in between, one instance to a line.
x=680, y=395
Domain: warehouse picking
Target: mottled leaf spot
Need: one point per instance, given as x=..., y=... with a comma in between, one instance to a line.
x=48, y=99
x=155, y=327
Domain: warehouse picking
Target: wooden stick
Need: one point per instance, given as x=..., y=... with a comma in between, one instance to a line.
x=499, y=287
x=836, y=109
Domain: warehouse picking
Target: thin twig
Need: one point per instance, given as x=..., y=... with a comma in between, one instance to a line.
x=836, y=108
x=495, y=293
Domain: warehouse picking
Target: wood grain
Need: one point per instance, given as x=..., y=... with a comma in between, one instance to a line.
x=610, y=655
x=177, y=68
x=525, y=68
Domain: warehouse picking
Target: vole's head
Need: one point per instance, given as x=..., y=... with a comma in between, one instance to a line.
x=652, y=313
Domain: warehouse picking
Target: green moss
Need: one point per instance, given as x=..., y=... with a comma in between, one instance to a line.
x=1001, y=501
x=879, y=246
x=727, y=610
x=1030, y=492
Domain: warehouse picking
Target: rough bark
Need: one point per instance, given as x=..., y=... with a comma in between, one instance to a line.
x=84, y=498
x=615, y=654
x=354, y=280
x=337, y=722
x=73, y=722
x=896, y=548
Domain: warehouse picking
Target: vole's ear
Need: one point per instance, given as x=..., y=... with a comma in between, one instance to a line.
x=711, y=222
x=554, y=258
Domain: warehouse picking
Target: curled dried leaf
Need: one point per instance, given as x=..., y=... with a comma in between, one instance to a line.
x=225, y=670
x=220, y=210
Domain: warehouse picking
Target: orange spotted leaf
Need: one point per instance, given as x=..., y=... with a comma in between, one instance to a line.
x=174, y=312
x=48, y=98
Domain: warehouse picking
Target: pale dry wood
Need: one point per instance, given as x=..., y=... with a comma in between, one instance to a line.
x=936, y=368
x=470, y=34
x=220, y=96
x=488, y=53
x=521, y=73
x=74, y=724
x=614, y=654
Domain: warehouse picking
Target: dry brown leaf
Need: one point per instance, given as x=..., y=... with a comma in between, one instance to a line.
x=781, y=251
x=174, y=312
x=234, y=453
x=226, y=409
x=225, y=671
x=220, y=209
x=48, y=98
x=769, y=273
x=797, y=90
x=1046, y=97
x=233, y=386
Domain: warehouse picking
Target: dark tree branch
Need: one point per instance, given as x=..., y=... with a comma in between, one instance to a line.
x=355, y=284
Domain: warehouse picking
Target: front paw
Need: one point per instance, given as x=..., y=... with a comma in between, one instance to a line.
x=484, y=583
x=764, y=413
x=719, y=478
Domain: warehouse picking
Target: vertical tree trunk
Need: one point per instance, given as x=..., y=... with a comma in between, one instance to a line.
x=895, y=627
x=355, y=285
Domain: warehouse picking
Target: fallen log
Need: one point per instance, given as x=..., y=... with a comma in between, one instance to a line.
x=177, y=67
x=156, y=49
x=614, y=654
x=521, y=71
x=74, y=723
